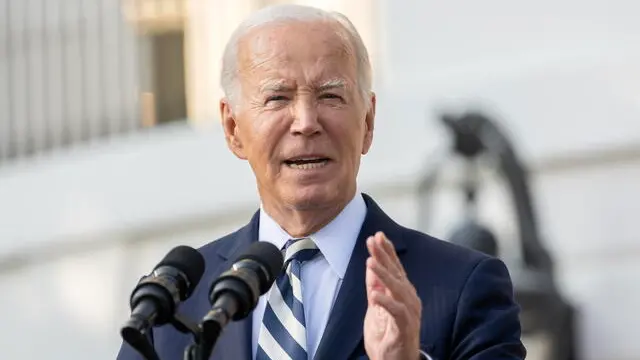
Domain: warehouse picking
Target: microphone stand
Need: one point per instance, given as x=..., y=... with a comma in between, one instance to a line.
x=141, y=343
x=205, y=334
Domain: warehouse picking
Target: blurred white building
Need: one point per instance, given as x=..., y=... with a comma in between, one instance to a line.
x=79, y=225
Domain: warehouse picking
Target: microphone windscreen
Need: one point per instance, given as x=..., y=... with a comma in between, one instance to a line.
x=188, y=260
x=267, y=255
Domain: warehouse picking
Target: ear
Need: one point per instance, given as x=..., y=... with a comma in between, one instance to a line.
x=369, y=124
x=231, y=130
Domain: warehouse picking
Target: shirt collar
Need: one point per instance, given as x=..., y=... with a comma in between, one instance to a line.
x=336, y=240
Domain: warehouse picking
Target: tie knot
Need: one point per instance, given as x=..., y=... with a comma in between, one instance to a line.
x=299, y=249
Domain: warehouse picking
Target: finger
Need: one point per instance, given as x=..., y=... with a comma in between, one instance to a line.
x=386, y=278
x=390, y=250
x=393, y=307
x=400, y=289
x=371, y=279
x=373, y=283
x=378, y=251
x=371, y=245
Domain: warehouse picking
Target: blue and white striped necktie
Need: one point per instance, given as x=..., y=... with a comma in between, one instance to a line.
x=282, y=334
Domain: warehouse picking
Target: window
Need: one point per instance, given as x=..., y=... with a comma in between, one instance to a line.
x=163, y=69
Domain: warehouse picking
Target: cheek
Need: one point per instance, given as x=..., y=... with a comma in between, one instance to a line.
x=267, y=135
x=348, y=134
x=262, y=160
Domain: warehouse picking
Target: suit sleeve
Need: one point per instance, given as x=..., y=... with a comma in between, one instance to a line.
x=487, y=325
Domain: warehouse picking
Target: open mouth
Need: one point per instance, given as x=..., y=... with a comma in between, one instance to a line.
x=307, y=163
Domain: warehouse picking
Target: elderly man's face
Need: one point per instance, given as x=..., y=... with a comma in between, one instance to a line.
x=300, y=121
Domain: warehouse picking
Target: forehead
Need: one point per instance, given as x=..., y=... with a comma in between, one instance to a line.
x=296, y=51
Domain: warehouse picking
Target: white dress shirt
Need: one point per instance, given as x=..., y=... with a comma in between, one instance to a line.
x=321, y=276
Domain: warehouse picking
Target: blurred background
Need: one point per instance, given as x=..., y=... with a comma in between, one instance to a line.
x=111, y=153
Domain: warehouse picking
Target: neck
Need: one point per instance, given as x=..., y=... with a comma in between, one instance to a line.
x=304, y=222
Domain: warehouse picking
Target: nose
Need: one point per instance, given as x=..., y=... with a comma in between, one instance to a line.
x=305, y=120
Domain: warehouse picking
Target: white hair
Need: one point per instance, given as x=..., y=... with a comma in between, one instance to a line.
x=294, y=13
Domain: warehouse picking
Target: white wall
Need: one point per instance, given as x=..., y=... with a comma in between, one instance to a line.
x=563, y=77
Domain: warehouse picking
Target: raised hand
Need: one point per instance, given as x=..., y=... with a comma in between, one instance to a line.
x=392, y=321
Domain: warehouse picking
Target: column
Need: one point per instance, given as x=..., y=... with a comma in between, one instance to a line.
x=209, y=24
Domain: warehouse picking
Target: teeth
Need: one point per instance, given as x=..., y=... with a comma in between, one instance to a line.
x=308, y=166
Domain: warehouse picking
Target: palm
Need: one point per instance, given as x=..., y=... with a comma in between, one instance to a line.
x=380, y=331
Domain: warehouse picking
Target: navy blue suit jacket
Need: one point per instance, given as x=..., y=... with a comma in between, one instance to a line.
x=468, y=311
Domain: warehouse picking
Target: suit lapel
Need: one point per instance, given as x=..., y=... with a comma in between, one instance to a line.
x=235, y=341
x=344, y=328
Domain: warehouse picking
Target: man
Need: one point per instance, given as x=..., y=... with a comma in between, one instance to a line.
x=300, y=110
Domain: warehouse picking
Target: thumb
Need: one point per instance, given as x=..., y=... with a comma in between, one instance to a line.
x=372, y=281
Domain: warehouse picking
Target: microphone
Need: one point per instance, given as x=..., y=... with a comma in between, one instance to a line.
x=154, y=300
x=235, y=293
x=237, y=290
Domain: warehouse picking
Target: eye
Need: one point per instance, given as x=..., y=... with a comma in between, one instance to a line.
x=275, y=98
x=330, y=96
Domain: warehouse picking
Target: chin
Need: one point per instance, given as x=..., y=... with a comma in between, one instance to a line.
x=312, y=197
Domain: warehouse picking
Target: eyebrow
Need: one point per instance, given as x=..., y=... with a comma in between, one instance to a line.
x=333, y=84
x=275, y=86
x=283, y=86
